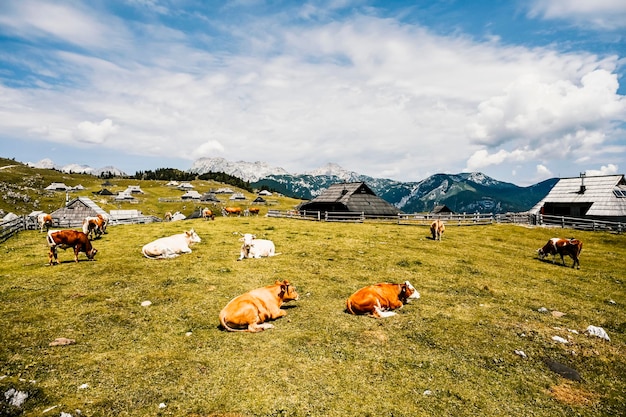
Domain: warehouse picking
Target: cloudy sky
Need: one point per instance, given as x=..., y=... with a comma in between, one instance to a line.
x=521, y=90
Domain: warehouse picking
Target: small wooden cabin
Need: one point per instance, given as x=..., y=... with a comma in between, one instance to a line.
x=75, y=211
x=355, y=197
x=594, y=197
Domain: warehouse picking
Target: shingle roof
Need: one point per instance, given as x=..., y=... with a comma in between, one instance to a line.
x=601, y=191
x=354, y=197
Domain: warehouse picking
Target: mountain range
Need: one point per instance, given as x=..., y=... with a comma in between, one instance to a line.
x=77, y=169
x=463, y=193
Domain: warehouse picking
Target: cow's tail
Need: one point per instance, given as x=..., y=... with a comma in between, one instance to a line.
x=166, y=254
x=349, y=306
x=49, y=239
x=225, y=325
x=150, y=256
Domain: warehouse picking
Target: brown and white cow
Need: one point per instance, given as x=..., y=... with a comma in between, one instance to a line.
x=228, y=211
x=45, y=221
x=69, y=239
x=95, y=226
x=208, y=214
x=254, y=210
x=571, y=247
x=250, y=312
x=379, y=299
x=436, y=229
x=171, y=246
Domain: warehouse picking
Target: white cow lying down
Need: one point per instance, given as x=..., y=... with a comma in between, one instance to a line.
x=171, y=246
x=256, y=248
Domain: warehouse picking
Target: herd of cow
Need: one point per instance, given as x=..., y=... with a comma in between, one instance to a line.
x=252, y=310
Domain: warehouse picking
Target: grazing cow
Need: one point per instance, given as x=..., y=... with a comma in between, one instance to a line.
x=250, y=311
x=95, y=226
x=45, y=221
x=69, y=239
x=436, y=229
x=379, y=299
x=256, y=248
x=227, y=211
x=254, y=210
x=208, y=214
x=171, y=246
x=571, y=247
x=168, y=216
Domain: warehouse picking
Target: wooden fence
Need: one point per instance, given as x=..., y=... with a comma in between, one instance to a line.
x=464, y=219
x=11, y=227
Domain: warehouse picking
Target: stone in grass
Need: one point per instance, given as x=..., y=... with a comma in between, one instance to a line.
x=563, y=370
x=598, y=332
x=62, y=341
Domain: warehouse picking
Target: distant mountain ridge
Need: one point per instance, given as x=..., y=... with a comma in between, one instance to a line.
x=47, y=163
x=463, y=193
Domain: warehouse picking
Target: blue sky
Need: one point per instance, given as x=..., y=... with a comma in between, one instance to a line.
x=519, y=90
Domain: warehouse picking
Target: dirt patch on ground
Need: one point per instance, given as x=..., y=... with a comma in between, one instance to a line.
x=375, y=336
x=569, y=394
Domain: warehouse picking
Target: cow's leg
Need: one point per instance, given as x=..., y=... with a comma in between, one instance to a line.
x=52, y=255
x=259, y=327
x=379, y=312
x=76, y=252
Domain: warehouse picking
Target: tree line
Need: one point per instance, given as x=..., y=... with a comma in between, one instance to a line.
x=173, y=174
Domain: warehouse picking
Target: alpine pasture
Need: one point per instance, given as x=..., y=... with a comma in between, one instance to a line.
x=477, y=342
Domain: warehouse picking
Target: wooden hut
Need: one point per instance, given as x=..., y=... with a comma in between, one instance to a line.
x=594, y=197
x=354, y=197
x=442, y=209
x=75, y=211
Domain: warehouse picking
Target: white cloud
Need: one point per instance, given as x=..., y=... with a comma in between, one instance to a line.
x=375, y=95
x=609, y=169
x=208, y=149
x=42, y=19
x=601, y=14
x=543, y=172
x=534, y=109
x=95, y=132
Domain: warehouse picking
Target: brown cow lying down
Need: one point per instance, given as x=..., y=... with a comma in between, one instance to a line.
x=69, y=239
x=249, y=312
x=556, y=245
x=379, y=299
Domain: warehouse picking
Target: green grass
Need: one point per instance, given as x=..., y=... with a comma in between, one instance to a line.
x=481, y=289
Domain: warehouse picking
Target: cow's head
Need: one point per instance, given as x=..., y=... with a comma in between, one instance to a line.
x=193, y=236
x=541, y=253
x=91, y=253
x=407, y=292
x=287, y=291
x=247, y=239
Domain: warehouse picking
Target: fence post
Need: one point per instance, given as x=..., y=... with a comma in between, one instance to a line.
x=562, y=222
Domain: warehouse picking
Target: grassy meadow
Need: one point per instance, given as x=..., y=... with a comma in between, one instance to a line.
x=452, y=352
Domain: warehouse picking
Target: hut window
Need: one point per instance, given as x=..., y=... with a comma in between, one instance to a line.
x=619, y=192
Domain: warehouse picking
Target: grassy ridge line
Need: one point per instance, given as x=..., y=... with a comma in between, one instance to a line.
x=22, y=191
x=481, y=288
